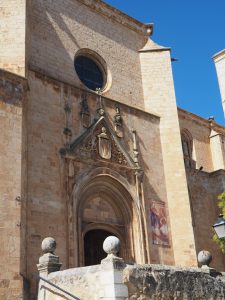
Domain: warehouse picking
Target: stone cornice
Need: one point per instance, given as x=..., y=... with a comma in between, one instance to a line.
x=151, y=46
x=219, y=55
x=12, y=88
x=201, y=121
x=13, y=77
x=118, y=16
x=155, y=50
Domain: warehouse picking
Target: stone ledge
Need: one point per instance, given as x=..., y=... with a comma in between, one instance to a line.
x=219, y=55
x=12, y=88
x=122, y=18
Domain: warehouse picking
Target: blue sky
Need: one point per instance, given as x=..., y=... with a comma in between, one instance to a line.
x=195, y=30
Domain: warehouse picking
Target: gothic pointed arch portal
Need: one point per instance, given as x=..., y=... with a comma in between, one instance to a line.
x=104, y=207
x=93, y=250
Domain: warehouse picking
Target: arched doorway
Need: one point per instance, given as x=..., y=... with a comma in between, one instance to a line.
x=100, y=217
x=93, y=250
x=104, y=205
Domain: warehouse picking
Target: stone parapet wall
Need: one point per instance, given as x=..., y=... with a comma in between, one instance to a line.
x=81, y=282
x=93, y=282
x=142, y=282
x=164, y=282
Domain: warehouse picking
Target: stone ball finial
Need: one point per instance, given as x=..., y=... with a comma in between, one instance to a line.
x=111, y=245
x=204, y=258
x=149, y=31
x=48, y=245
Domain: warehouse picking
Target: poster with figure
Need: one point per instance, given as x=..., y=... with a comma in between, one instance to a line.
x=160, y=234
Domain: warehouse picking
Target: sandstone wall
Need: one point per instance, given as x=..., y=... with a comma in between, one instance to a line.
x=142, y=282
x=200, y=131
x=11, y=226
x=217, y=150
x=219, y=60
x=85, y=283
x=12, y=35
x=46, y=207
x=204, y=189
x=163, y=282
x=58, y=30
x=47, y=198
x=159, y=97
x=205, y=186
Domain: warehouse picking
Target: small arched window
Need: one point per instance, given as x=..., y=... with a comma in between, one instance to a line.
x=187, y=145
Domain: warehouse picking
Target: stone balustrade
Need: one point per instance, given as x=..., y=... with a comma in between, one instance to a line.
x=113, y=279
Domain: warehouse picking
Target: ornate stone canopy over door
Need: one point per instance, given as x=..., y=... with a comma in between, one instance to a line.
x=104, y=190
x=104, y=208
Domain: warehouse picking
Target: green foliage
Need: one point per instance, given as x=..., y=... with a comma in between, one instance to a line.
x=220, y=242
x=221, y=204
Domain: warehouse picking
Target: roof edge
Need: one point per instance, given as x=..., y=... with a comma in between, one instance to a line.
x=12, y=75
x=151, y=46
x=218, y=54
x=202, y=120
x=119, y=16
x=154, y=50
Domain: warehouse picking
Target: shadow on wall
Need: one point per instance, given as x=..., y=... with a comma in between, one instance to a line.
x=150, y=160
x=204, y=189
x=55, y=38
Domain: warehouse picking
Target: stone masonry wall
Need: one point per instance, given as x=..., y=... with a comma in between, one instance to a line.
x=59, y=29
x=139, y=282
x=200, y=131
x=205, y=185
x=47, y=185
x=219, y=60
x=160, y=98
x=12, y=35
x=204, y=189
x=11, y=101
x=84, y=283
x=164, y=282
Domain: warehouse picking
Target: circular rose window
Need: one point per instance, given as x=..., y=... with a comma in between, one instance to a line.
x=90, y=72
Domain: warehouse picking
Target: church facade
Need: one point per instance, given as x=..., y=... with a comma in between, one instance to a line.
x=93, y=144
